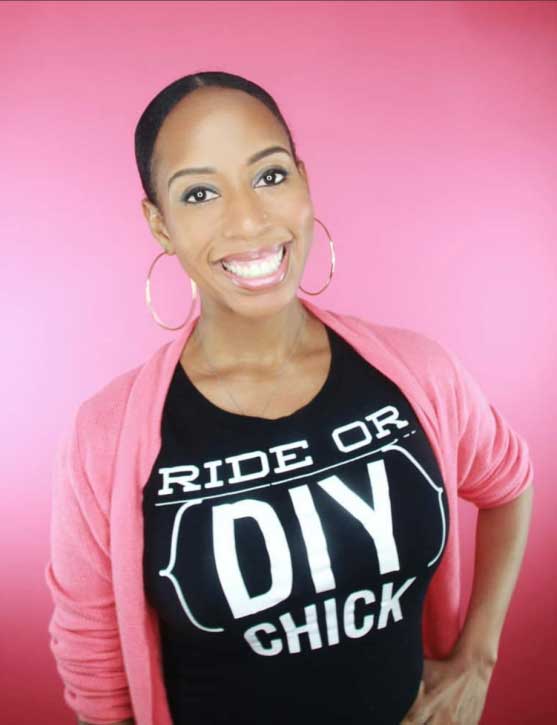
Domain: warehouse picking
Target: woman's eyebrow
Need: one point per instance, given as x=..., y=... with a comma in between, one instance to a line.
x=210, y=170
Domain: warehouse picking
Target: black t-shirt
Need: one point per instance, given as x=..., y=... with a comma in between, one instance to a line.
x=288, y=559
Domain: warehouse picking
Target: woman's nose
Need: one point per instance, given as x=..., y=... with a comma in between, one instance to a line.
x=245, y=215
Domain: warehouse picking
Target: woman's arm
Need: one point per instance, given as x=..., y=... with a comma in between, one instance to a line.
x=454, y=689
x=83, y=627
x=494, y=472
x=501, y=535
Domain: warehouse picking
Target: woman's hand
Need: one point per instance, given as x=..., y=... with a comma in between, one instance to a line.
x=452, y=690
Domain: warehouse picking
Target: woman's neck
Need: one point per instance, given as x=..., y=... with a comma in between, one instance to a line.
x=250, y=344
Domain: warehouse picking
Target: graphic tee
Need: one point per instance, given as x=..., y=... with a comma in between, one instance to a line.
x=288, y=559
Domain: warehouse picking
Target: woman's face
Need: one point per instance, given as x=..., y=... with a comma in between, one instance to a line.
x=242, y=206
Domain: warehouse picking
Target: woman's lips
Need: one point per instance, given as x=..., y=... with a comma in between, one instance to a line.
x=270, y=280
x=255, y=254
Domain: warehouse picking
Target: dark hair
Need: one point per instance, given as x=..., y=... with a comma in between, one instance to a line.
x=152, y=118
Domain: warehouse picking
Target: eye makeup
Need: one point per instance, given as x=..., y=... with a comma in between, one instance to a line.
x=196, y=190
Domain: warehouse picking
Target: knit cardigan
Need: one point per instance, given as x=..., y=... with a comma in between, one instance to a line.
x=104, y=634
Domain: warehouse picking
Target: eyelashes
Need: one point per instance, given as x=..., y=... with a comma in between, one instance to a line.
x=199, y=190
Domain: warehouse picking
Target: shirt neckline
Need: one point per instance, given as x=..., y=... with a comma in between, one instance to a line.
x=185, y=389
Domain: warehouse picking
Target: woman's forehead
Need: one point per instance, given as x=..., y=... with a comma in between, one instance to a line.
x=216, y=129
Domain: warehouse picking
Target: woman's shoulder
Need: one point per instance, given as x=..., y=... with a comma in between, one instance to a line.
x=422, y=353
x=90, y=439
x=98, y=418
x=106, y=405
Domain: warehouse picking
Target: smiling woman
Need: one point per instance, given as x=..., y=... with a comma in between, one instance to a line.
x=223, y=183
x=246, y=527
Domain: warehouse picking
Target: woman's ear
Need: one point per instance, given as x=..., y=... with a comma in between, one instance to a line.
x=303, y=172
x=156, y=224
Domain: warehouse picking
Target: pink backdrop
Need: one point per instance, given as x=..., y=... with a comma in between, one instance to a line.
x=428, y=130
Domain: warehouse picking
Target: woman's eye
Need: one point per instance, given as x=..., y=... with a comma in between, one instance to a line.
x=199, y=191
x=269, y=175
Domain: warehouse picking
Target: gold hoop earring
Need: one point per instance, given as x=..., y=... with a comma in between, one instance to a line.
x=149, y=301
x=333, y=260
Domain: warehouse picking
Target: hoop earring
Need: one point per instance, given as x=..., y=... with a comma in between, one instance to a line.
x=333, y=259
x=149, y=301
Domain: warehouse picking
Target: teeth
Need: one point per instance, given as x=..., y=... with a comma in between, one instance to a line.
x=256, y=269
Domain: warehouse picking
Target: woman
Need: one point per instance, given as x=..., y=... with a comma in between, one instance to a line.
x=259, y=524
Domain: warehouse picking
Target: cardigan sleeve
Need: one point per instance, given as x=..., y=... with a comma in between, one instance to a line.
x=84, y=636
x=493, y=460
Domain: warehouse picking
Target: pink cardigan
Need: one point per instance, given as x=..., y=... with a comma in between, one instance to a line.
x=103, y=633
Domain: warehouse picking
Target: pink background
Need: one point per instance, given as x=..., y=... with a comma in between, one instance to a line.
x=428, y=131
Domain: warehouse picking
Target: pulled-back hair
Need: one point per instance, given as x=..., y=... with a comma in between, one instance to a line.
x=152, y=118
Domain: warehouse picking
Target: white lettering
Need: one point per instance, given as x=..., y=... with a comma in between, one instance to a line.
x=386, y=416
x=250, y=635
x=226, y=556
x=364, y=440
x=377, y=521
x=314, y=539
x=310, y=627
x=238, y=476
x=180, y=476
x=282, y=457
x=349, y=619
x=214, y=481
x=390, y=603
